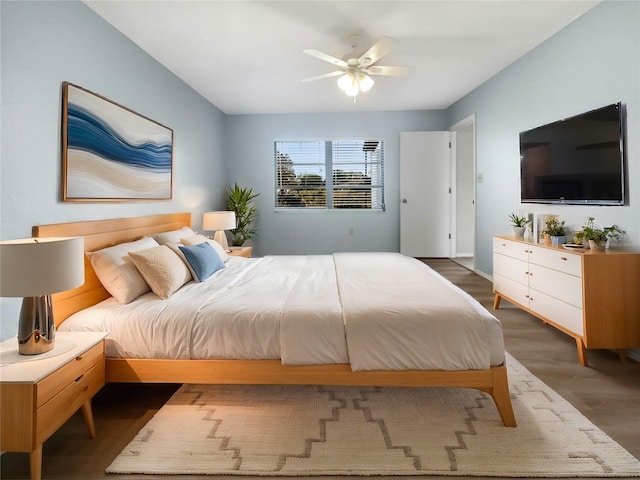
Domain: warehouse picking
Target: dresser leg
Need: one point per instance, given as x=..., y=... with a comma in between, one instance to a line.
x=622, y=355
x=496, y=301
x=87, y=413
x=582, y=353
x=35, y=463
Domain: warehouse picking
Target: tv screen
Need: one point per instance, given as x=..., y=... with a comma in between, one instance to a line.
x=578, y=160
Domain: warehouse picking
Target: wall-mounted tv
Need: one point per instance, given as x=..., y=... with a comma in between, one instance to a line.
x=578, y=160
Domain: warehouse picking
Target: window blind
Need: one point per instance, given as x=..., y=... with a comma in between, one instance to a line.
x=356, y=179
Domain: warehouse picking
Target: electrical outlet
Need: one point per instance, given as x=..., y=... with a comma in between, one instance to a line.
x=480, y=178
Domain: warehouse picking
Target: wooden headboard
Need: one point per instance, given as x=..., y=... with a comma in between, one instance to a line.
x=100, y=234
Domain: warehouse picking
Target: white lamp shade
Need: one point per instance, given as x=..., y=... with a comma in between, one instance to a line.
x=219, y=220
x=32, y=267
x=365, y=82
x=345, y=81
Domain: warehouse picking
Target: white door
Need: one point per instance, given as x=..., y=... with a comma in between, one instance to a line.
x=425, y=205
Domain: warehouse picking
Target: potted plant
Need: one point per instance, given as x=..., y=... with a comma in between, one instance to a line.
x=556, y=231
x=519, y=224
x=239, y=200
x=596, y=235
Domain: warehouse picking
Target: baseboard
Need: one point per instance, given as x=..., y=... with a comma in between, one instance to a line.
x=484, y=275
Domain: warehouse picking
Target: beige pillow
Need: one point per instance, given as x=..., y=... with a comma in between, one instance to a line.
x=196, y=239
x=173, y=236
x=163, y=270
x=117, y=273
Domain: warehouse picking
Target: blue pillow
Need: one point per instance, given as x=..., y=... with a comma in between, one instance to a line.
x=202, y=259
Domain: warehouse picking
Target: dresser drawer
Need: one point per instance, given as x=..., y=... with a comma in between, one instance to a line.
x=50, y=386
x=566, y=262
x=562, y=286
x=509, y=288
x=58, y=409
x=511, y=268
x=511, y=249
x=557, y=311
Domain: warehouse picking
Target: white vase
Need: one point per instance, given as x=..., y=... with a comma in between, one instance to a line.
x=519, y=231
x=594, y=246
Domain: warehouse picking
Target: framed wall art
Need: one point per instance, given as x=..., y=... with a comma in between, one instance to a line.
x=111, y=153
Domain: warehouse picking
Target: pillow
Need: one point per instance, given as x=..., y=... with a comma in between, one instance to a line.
x=117, y=273
x=163, y=270
x=196, y=239
x=202, y=260
x=173, y=236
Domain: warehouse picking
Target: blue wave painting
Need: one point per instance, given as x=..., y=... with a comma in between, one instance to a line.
x=113, y=153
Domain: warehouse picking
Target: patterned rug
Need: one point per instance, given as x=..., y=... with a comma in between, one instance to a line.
x=330, y=430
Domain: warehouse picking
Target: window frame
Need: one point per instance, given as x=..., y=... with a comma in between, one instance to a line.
x=329, y=177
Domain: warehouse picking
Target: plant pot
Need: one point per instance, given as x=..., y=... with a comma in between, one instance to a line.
x=546, y=239
x=558, y=240
x=594, y=246
x=519, y=231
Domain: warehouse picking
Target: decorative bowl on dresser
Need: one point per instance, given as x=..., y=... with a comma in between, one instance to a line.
x=587, y=294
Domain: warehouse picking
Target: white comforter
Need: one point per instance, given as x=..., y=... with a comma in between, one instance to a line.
x=372, y=310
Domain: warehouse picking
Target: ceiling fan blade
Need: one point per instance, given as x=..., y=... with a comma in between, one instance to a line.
x=326, y=75
x=389, y=71
x=379, y=50
x=326, y=57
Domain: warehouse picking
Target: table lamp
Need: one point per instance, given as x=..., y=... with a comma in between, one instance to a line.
x=34, y=268
x=219, y=221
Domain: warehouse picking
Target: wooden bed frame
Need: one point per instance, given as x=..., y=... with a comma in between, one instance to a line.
x=103, y=233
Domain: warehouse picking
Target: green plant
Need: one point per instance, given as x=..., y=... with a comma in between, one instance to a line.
x=517, y=221
x=592, y=231
x=554, y=228
x=239, y=200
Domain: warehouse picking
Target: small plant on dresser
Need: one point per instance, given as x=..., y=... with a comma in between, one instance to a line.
x=596, y=235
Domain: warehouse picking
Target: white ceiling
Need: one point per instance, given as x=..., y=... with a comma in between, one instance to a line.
x=246, y=57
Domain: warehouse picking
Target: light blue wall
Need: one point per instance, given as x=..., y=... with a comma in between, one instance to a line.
x=251, y=155
x=46, y=43
x=593, y=62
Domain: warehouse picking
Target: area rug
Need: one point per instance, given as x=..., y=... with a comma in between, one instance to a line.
x=332, y=430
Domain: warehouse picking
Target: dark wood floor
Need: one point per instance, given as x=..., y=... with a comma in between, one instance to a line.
x=607, y=392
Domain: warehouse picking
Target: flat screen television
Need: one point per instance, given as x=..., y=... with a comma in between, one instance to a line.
x=578, y=160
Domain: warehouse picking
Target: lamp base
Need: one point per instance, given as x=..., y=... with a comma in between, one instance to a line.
x=221, y=237
x=36, y=328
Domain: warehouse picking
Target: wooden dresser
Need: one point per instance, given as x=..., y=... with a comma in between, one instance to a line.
x=593, y=296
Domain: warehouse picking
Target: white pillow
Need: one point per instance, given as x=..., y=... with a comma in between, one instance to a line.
x=163, y=270
x=117, y=273
x=173, y=236
x=196, y=239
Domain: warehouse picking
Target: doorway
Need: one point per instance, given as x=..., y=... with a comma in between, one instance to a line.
x=463, y=194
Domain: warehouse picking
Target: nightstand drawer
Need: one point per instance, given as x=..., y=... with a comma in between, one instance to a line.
x=68, y=373
x=56, y=411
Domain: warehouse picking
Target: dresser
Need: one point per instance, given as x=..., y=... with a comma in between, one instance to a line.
x=39, y=393
x=593, y=296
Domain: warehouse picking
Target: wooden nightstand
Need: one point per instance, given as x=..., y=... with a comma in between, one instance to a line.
x=241, y=251
x=39, y=393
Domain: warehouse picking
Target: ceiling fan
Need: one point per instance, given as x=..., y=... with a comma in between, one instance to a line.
x=355, y=72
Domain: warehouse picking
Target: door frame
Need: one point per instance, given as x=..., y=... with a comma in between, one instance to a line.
x=465, y=122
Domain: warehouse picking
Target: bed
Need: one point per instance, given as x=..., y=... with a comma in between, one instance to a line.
x=347, y=348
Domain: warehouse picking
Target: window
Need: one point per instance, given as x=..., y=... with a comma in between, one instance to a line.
x=356, y=179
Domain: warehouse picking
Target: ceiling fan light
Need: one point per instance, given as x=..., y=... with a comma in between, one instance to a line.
x=353, y=90
x=345, y=81
x=365, y=82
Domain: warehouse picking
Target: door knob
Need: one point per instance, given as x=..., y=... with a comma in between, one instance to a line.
x=404, y=200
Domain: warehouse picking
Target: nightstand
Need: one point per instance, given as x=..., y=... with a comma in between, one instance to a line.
x=241, y=251
x=41, y=392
